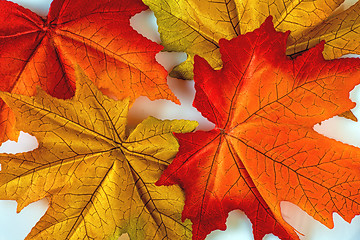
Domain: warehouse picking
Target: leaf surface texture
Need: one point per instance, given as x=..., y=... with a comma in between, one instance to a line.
x=196, y=26
x=263, y=149
x=93, y=35
x=99, y=180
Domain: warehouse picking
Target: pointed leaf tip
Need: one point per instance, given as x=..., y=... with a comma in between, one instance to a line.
x=264, y=106
x=119, y=60
x=87, y=164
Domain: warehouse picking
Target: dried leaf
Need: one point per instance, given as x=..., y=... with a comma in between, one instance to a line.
x=196, y=26
x=99, y=181
x=263, y=149
x=95, y=35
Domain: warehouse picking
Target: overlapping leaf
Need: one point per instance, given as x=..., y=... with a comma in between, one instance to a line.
x=195, y=26
x=98, y=179
x=264, y=149
x=95, y=35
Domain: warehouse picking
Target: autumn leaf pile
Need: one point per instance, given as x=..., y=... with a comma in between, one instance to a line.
x=265, y=73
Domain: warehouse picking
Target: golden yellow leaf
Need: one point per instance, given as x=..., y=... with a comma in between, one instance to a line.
x=195, y=26
x=99, y=180
x=340, y=32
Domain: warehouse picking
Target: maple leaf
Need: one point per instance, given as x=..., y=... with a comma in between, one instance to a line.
x=263, y=149
x=98, y=179
x=95, y=35
x=196, y=26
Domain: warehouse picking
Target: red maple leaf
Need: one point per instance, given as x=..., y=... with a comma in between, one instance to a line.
x=263, y=149
x=94, y=35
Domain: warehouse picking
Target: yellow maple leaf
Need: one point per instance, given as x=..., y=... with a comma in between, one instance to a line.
x=99, y=180
x=195, y=26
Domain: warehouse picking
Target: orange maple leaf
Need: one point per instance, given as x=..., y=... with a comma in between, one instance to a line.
x=263, y=149
x=95, y=35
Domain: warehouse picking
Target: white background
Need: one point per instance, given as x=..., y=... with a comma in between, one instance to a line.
x=15, y=226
